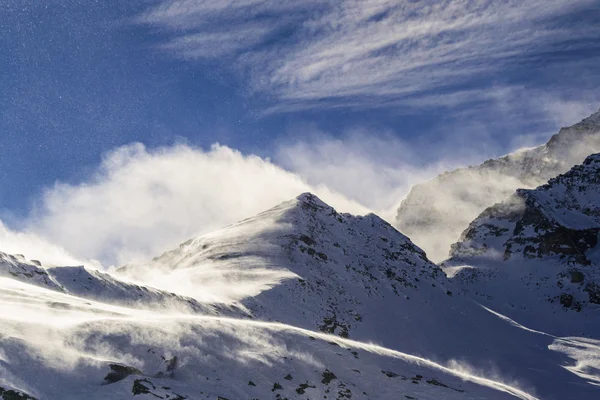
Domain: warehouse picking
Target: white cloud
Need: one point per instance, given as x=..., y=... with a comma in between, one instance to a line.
x=33, y=246
x=141, y=203
x=367, y=51
x=375, y=170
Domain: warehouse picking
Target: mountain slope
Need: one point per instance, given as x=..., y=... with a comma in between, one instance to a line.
x=359, y=278
x=541, y=246
x=435, y=213
x=334, y=262
x=95, y=351
x=100, y=286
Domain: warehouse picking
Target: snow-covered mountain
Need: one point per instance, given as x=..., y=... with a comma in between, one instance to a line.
x=359, y=278
x=333, y=265
x=284, y=305
x=538, y=250
x=435, y=213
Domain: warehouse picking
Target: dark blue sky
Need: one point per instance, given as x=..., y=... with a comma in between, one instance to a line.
x=80, y=78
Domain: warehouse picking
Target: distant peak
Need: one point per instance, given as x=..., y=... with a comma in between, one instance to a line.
x=592, y=120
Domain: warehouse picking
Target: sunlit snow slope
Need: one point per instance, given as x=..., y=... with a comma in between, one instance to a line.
x=56, y=346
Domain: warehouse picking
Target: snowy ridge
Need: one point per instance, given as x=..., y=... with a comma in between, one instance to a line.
x=100, y=286
x=97, y=351
x=561, y=218
x=16, y=266
x=435, y=213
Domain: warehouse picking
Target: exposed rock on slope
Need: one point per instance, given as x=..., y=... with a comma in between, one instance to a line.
x=18, y=267
x=435, y=213
x=548, y=237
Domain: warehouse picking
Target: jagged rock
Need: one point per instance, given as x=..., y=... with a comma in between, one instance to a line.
x=328, y=376
x=11, y=394
x=119, y=372
x=566, y=300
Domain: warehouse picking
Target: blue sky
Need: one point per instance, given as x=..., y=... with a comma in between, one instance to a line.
x=361, y=98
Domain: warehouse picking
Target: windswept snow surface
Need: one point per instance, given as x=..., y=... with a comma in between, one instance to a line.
x=359, y=278
x=58, y=346
x=298, y=302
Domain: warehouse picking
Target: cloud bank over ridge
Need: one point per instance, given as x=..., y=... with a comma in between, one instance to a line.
x=141, y=202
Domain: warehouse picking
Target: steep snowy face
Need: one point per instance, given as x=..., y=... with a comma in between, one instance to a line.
x=324, y=270
x=435, y=213
x=552, y=230
x=350, y=271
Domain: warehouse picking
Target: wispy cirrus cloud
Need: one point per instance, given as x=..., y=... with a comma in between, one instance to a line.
x=371, y=52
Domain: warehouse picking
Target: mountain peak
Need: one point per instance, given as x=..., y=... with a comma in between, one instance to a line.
x=307, y=197
x=592, y=159
x=303, y=255
x=311, y=201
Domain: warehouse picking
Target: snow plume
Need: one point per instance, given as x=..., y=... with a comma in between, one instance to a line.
x=33, y=246
x=375, y=170
x=141, y=202
x=436, y=213
x=225, y=283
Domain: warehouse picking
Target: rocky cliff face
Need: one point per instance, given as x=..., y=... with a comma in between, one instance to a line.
x=435, y=213
x=548, y=234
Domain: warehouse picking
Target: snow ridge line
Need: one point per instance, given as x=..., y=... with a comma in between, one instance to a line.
x=370, y=347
